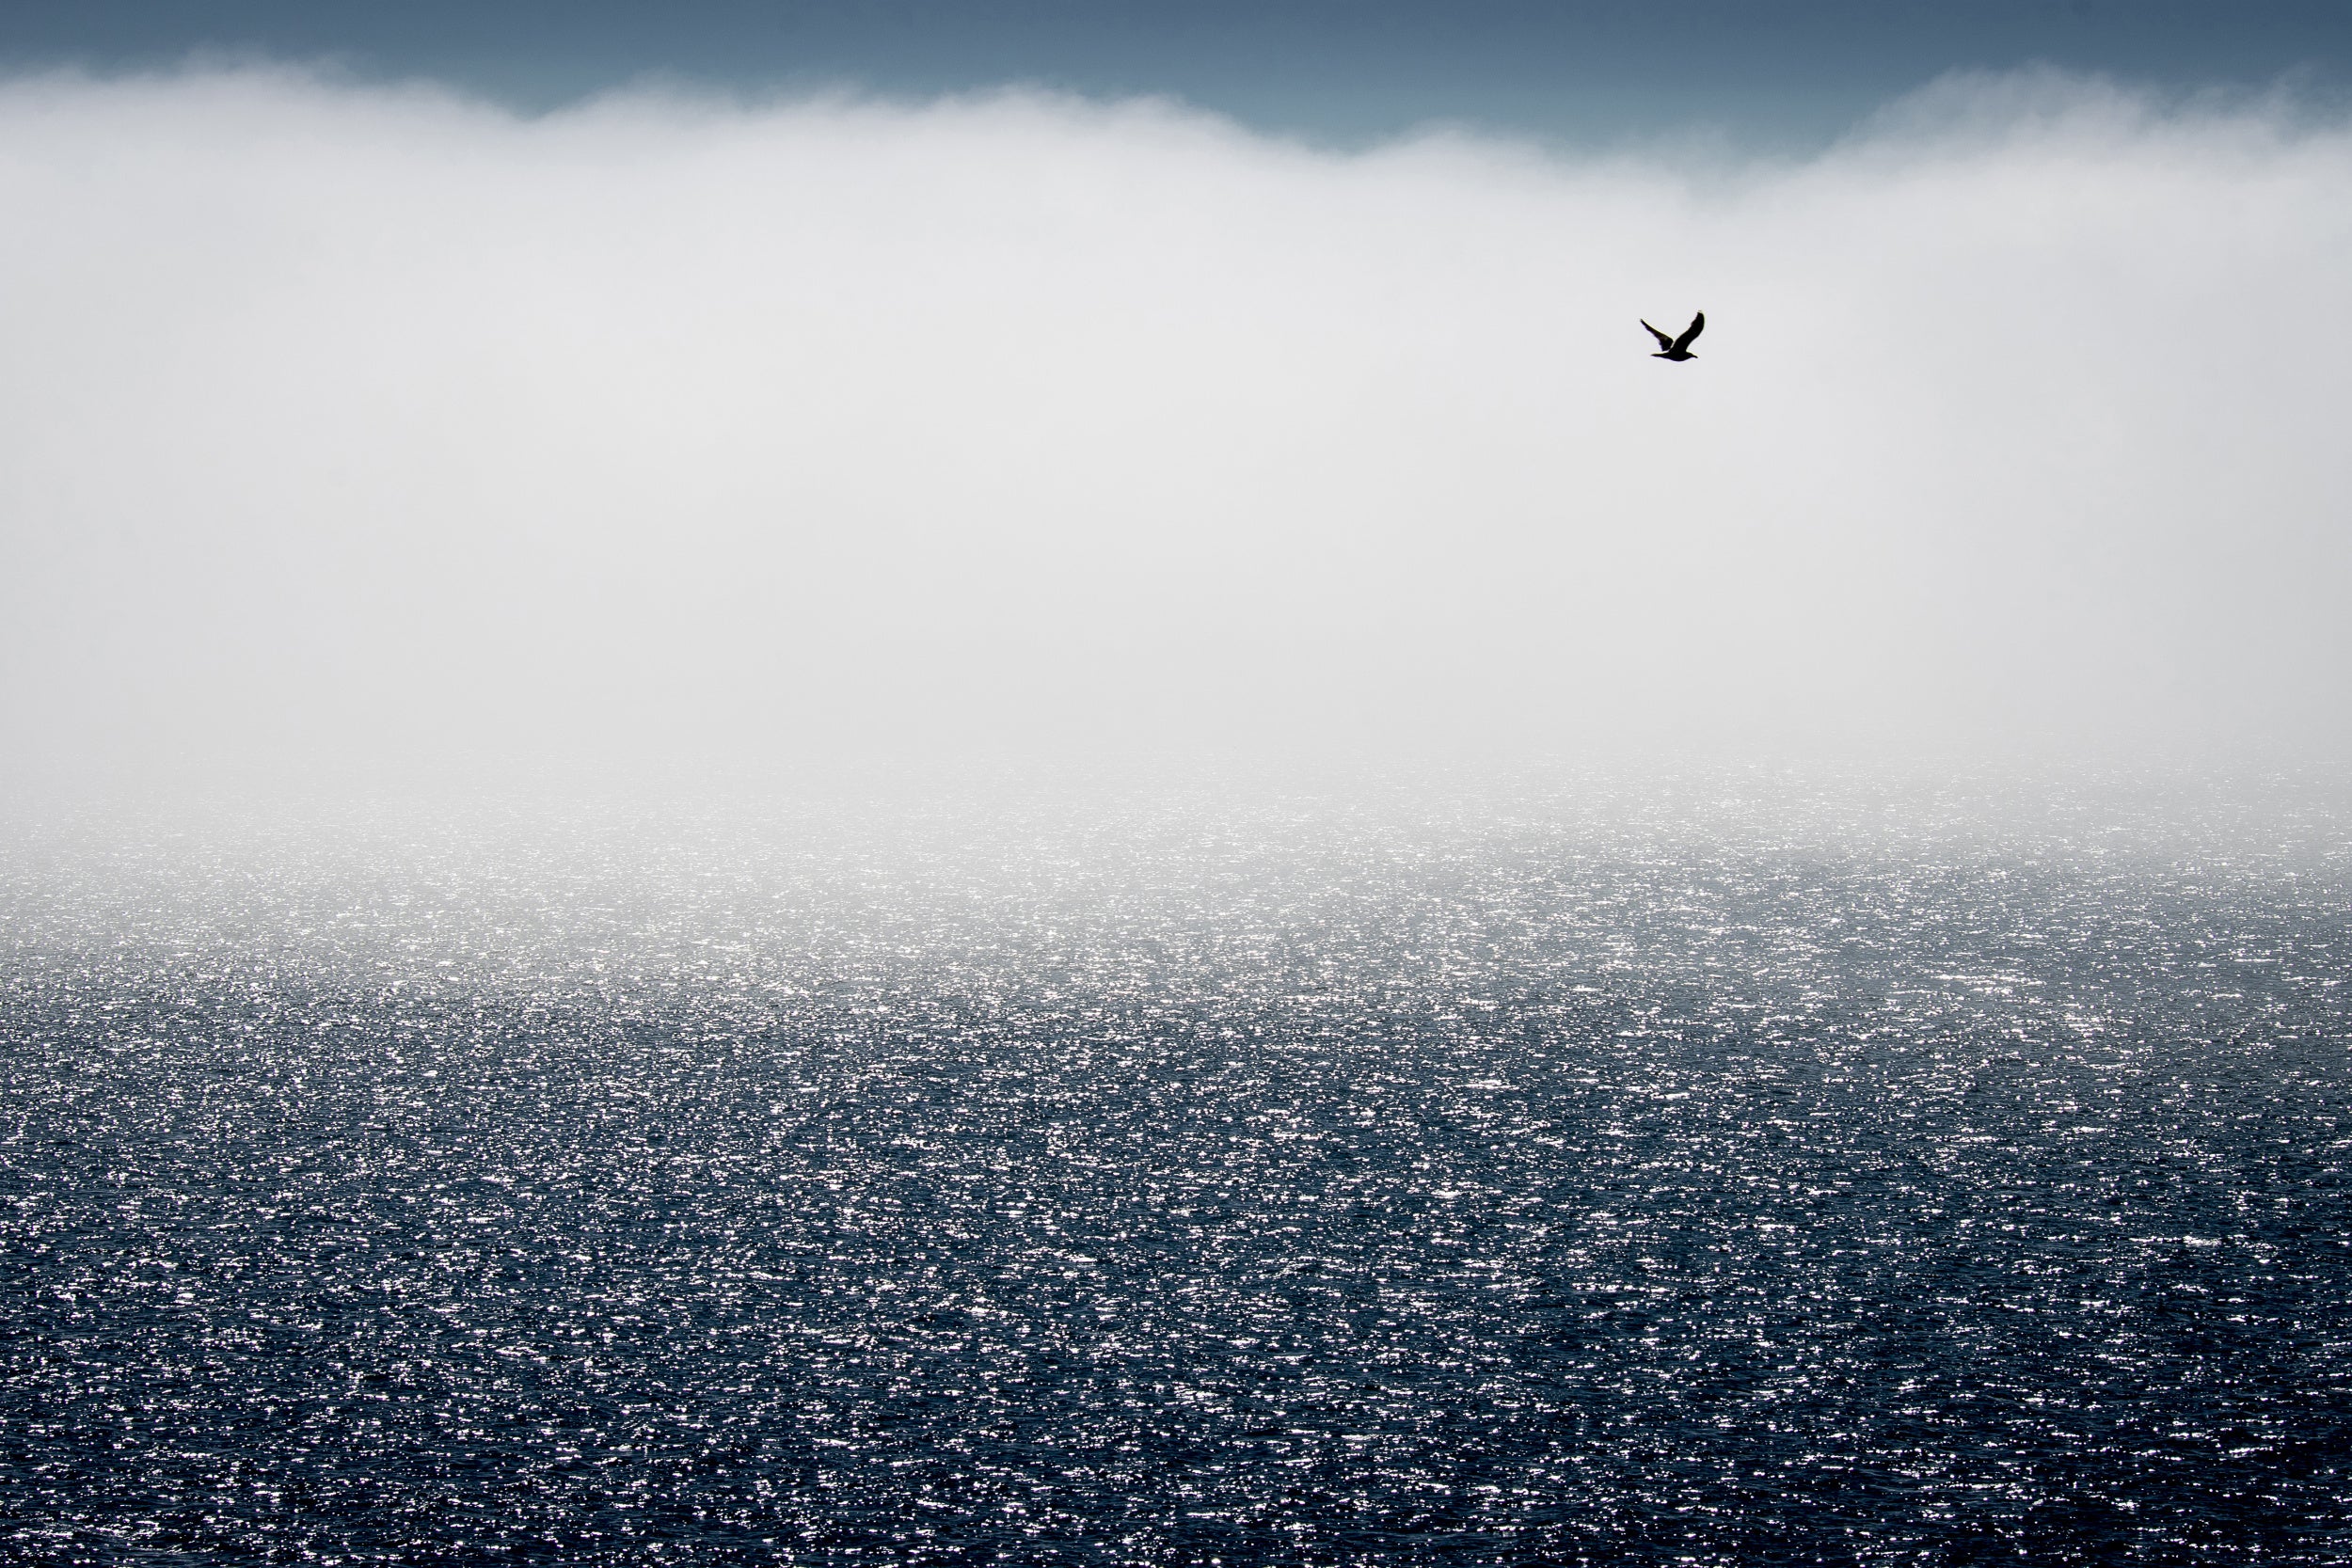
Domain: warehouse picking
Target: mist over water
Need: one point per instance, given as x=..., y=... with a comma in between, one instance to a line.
x=376, y=430
x=1019, y=830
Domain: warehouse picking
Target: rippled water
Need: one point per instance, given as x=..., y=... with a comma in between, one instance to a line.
x=1574, y=1177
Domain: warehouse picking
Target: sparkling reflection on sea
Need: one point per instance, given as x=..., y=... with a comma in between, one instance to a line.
x=1834, y=1179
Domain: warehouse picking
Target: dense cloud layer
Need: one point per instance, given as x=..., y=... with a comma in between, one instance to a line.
x=370, y=424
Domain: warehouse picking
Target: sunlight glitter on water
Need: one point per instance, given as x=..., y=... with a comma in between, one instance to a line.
x=1167, y=1183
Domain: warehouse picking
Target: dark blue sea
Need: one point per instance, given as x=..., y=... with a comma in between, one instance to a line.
x=1733, y=1172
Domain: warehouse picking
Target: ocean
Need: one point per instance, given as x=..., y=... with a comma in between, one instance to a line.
x=1744, y=1169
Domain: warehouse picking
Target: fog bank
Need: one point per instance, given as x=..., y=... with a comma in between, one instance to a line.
x=379, y=430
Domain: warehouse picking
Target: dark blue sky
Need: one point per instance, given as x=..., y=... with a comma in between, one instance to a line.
x=1334, y=68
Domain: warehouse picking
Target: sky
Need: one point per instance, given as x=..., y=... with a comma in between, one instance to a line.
x=1328, y=69
x=1600, y=71
x=479, y=389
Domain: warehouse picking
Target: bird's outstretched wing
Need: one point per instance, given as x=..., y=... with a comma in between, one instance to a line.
x=1698, y=324
x=1663, y=341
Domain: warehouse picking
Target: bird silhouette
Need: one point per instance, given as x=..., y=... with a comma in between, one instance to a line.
x=1678, y=348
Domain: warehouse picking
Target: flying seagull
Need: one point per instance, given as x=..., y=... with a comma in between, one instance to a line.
x=1678, y=348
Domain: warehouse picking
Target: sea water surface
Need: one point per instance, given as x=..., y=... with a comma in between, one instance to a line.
x=1742, y=1171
